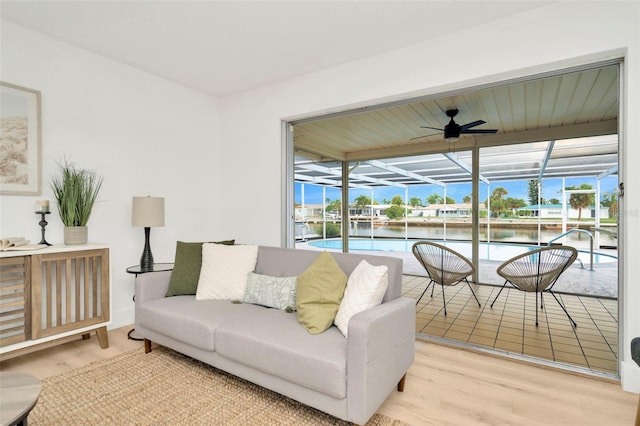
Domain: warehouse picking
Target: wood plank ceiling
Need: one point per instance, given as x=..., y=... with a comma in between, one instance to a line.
x=574, y=104
x=560, y=126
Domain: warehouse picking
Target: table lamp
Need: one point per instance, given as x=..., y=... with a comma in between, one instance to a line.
x=147, y=212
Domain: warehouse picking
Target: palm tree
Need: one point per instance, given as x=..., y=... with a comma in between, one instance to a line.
x=534, y=193
x=415, y=202
x=610, y=200
x=498, y=193
x=397, y=200
x=435, y=199
x=497, y=204
x=334, y=206
x=362, y=201
x=581, y=201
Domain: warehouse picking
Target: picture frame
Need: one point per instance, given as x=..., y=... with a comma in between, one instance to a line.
x=20, y=140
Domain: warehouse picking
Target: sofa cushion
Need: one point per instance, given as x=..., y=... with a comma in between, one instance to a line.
x=319, y=292
x=273, y=292
x=186, y=319
x=186, y=267
x=365, y=289
x=224, y=271
x=273, y=341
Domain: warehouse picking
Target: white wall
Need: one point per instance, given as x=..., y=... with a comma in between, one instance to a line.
x=545, y=39
x=146, y=136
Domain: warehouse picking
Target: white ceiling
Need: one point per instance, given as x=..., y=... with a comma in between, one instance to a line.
x=226, y=47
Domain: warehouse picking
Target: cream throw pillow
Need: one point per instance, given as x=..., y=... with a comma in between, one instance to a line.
x=365, y=289
x=318, y=293
x=224, y=271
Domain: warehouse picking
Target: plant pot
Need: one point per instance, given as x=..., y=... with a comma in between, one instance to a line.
x=76, y=235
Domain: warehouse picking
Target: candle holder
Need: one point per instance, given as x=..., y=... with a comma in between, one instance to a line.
x=43, y=223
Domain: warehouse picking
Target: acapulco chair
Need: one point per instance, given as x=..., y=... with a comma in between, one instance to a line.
x=444, y=266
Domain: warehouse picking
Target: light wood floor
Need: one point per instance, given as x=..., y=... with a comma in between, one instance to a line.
x=445, y=386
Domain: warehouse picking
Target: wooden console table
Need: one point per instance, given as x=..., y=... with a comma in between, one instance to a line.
x=50, y=295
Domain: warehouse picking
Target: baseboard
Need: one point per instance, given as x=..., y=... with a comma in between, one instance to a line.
x=122, y=318
x=630, y=373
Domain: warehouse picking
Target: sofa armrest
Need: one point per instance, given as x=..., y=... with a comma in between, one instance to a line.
x=152, y=285
x=380, y=350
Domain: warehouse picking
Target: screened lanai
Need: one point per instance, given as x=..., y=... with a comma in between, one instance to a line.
x=556, y=138
x=590, y=158
x=558, y=129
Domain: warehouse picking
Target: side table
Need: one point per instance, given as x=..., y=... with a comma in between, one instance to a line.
x=137, y=270
x=19, y=393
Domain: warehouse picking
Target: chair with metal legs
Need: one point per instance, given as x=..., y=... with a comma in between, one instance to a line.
x=537, y=271
x=444, y=266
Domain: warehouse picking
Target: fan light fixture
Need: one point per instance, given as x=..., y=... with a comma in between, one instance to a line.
x=453, y=130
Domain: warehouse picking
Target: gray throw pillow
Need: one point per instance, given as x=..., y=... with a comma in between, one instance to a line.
x=273, y=292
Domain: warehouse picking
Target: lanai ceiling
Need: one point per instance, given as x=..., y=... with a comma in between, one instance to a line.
x=551, y=125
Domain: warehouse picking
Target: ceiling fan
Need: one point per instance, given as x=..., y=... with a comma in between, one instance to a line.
x=453, y=130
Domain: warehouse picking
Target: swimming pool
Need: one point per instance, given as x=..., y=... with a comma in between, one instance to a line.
x=487, y=251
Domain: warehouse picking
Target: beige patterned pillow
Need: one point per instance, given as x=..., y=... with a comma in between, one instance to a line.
x=366, y=287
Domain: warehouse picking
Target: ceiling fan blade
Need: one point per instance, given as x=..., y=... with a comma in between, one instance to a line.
x=479, y=131
x=425, y=136
x=432, y=128
x=472, y=124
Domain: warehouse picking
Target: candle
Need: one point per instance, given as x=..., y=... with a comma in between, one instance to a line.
x=42, y=206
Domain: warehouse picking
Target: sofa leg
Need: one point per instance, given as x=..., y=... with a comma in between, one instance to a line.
x=147, y=346
x=401, y=383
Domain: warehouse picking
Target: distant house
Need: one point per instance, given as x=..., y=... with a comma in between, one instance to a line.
x=379, y=210
x=444, y=210
x=309, y=210
x=554, y=211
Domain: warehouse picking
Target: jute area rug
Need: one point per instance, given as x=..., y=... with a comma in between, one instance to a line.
x=165, y=387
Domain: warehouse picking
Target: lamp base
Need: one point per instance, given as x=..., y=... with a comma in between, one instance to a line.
x=146, y=261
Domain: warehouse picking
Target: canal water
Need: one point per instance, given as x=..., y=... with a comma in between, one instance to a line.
x=502, y=232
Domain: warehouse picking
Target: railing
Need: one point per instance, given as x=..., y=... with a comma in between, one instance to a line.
x=583, y=231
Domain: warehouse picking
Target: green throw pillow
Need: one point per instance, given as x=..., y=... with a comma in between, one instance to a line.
x=186, y=268
x=319, y=292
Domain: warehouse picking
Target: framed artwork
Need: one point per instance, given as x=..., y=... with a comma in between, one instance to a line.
x=20, y=141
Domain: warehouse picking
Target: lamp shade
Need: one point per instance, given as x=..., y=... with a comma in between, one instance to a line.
x=147, y=212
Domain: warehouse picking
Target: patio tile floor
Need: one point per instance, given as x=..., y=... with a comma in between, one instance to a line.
x=509, y=327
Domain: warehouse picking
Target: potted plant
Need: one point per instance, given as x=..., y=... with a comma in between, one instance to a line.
x=75, y=191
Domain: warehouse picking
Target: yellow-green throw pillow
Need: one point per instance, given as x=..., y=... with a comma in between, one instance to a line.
x=318, y=293
x=186, y=268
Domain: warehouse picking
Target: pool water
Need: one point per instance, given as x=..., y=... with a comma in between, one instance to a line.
x=487, y=251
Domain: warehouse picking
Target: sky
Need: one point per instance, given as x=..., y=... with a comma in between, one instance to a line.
x=516, y=189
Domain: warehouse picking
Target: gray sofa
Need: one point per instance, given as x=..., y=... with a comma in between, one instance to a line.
x=347, y=378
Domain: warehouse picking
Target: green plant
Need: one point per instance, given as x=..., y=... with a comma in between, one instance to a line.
x=75, y=191
x=395, y=212
x=332, y=229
